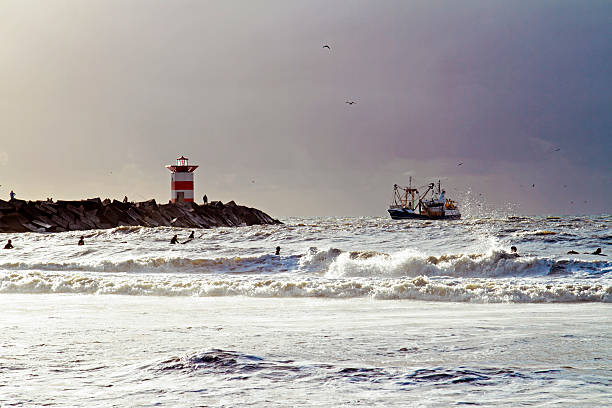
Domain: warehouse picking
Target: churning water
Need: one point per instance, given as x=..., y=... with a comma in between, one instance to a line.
x=355, y=311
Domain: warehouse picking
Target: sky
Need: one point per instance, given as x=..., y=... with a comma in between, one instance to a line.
x=96, y=97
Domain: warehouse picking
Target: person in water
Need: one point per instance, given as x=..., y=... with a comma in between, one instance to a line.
x=277, y=251
x=81, y=241
x=191, y=236
x=598, y=252
x=174, y=239
x=8, y=245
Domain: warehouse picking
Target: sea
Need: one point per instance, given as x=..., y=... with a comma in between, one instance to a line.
x=355, y=311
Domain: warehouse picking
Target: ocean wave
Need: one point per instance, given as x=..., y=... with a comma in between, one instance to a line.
x=476, y=290
x=334, y=263
x=236, y=264
x=234, y=365
x=496, y=263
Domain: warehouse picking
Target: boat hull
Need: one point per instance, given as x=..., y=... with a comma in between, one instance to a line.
x=399, y=214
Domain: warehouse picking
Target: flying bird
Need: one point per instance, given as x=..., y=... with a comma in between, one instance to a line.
x=351, y=102
x=327, y=46
x=533, y=185
x=557, y=149
x=460, y=164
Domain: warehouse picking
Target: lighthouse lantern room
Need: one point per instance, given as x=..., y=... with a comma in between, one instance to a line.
x=181, y=180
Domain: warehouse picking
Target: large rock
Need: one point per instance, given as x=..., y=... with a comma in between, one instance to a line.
x=93, y=213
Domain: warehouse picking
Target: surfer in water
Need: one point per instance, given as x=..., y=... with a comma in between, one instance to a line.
x=514, y=251
x=8, y=245
x=191, y=237
x=174, y=239
x=81, y=241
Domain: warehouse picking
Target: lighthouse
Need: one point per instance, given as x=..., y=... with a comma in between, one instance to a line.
x=181, y=180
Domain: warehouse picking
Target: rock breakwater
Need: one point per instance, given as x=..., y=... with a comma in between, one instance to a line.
x=59, y=216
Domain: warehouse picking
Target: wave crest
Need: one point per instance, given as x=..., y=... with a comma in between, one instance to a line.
x=477, y=290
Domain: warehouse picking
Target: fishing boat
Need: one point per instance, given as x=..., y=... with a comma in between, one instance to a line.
x=408, y=203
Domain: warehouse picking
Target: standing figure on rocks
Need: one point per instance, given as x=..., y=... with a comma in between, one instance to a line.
x=277, y=251
x=125, y=199
x=81, y=241
x=174, y=239
x=205, y=199
x=8, y=245
x=12, y=195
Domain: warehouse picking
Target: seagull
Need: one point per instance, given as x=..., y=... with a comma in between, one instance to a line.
x=557, y=149
x=460, y=164
x=351, y=102
x=327, y=46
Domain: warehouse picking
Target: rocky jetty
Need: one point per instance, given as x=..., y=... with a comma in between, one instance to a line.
x=59, y=216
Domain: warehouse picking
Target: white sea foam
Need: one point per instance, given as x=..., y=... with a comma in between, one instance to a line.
x=479, y=290
x=333, y=258
x=331, y=263
x=495, y=263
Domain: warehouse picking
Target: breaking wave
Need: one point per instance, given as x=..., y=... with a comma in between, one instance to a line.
x=476, y=290
x=496, y=263
x=334, y=263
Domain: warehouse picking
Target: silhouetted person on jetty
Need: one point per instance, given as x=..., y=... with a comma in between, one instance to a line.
x=277, y=251
x=174, y=239
x=81, y=241
x=205, y=199
x=8, y=245
x=12, y=195
x=125, y=199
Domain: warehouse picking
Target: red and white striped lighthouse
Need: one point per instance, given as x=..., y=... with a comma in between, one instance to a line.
x=182, y=180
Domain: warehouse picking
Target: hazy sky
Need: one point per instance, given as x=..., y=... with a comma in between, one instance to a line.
x=97, y=96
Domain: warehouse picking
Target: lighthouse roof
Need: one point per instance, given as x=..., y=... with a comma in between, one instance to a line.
x=182, y=165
